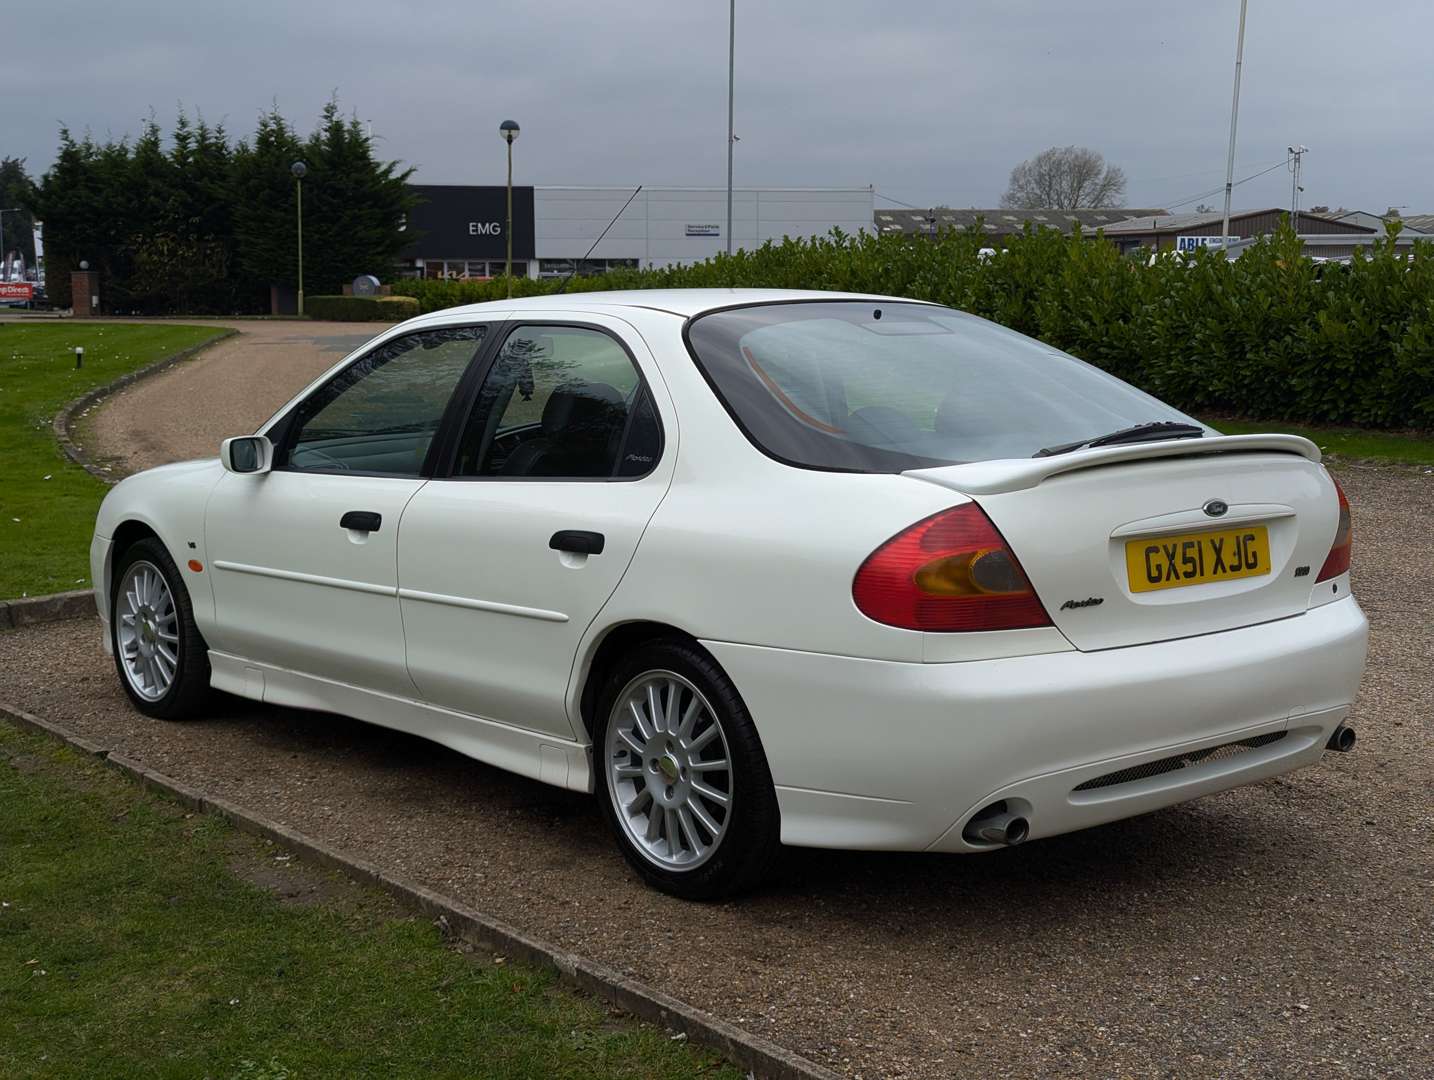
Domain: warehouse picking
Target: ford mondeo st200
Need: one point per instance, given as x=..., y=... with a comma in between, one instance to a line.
x=757, y=568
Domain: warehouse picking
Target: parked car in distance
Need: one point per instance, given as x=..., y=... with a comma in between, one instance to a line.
x=757, y=568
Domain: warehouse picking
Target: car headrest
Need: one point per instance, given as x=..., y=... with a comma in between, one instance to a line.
x=582, y=409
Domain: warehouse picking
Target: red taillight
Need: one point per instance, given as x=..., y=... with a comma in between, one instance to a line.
x=952, y=571
x=1337, y=561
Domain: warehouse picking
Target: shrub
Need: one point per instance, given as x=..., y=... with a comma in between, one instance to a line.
x=361, y=308
x=1269, y=335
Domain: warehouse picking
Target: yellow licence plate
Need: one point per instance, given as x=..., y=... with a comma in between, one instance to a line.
x=1169, y=562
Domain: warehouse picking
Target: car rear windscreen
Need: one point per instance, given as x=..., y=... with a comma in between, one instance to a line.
x=885, y=387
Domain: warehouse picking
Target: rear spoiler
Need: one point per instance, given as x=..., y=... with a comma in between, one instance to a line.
x=1017, y=474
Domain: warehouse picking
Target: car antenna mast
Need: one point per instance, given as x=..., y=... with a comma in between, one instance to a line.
x=596, y=242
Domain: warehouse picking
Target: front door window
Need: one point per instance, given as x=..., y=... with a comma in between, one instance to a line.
x=379, y=415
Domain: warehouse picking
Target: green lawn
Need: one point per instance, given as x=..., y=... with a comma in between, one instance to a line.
x=1342, y=442
x=130, y=947
x=47, y=503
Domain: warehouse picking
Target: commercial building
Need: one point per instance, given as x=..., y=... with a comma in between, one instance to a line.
x=997, y=225
x=1176, y=232
x=459, y=229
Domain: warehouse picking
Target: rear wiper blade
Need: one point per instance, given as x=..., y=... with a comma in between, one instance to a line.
x=1152, y=432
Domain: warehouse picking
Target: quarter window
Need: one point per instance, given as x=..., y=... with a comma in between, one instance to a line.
x=380, y=414
x=561, y=402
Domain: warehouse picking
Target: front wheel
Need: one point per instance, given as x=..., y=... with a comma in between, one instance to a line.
x=681, y=775
x=162, y=660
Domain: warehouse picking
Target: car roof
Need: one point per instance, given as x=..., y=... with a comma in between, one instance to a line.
x=681, y=302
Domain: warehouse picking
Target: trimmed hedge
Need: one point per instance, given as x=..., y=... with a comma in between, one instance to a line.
x=1269, y=335
x=361, y=308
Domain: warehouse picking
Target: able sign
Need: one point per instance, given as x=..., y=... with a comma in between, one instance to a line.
x=1191, y=243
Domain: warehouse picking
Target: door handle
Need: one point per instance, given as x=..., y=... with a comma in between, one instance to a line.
x=578, y=541
x=361, y=521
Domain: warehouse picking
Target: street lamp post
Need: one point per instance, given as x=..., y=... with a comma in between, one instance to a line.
x=508, y=129
x=731, y=136
x=1234, y=119
x=298, y=168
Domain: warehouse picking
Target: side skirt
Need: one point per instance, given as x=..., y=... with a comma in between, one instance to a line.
x=536, y=755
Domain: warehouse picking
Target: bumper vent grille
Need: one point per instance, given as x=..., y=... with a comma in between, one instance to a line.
x=1180, y=761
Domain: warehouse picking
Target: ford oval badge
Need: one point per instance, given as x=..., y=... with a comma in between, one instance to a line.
x=1216, y=507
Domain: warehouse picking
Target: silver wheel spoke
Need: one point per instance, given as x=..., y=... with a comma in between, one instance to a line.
x=684, y=820
x=707, y=793
x=669, y=723
x=705, y=818
x=638, y=720
x=705, y=738
x=672, y=804
x=689, y=718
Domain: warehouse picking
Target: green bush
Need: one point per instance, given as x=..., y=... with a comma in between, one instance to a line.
x=1269, y=335
x=361, y=308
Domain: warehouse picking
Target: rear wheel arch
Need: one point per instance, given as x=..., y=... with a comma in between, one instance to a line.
x=615, y=643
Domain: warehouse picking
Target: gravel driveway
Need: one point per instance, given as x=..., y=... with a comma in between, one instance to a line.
x=1282, y=930
x=230, y=389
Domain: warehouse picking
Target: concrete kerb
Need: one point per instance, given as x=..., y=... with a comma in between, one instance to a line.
x=28, y=610
x=66, y=416
x=760, y=1056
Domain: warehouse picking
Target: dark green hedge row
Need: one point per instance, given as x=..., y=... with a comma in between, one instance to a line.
x=361, y=308
x=1269, y=335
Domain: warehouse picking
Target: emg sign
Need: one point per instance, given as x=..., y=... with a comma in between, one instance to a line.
x=1193, y=243
x=468, y=222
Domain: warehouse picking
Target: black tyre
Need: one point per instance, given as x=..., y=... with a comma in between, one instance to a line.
x=162, y=661
x=681, y=775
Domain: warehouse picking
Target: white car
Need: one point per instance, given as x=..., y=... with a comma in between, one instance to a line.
x=757, y=568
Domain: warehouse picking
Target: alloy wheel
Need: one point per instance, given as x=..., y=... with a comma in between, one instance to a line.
x=669, y=771
x=147, y=631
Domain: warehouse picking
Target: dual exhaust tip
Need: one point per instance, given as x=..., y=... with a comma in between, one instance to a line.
x=997, y=825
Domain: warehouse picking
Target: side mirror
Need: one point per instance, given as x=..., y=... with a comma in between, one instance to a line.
x=247, y=454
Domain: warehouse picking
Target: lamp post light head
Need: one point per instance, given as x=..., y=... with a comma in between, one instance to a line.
x=508, y=129
x=84, y=264
x=299, y=169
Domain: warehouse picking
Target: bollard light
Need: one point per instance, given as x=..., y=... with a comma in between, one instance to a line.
x=79, y=357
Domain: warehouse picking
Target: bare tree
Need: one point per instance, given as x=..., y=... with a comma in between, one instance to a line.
x=1065, y=178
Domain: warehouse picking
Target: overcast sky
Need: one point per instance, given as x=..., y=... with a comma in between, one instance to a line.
x=928, y=100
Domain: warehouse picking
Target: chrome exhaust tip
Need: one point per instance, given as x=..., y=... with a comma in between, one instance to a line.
x=997, y=825
x=1341, y=739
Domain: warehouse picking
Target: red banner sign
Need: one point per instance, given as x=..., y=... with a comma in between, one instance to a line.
x=17, y=290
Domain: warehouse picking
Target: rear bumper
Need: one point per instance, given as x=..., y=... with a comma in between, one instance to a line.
x=880, y=755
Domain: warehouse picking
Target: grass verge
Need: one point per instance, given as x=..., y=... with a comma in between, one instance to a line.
x=1342, y=443
x=135, y=942
x=47, y=503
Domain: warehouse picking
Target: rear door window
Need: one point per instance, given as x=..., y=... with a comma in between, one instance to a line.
x=561, y=402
